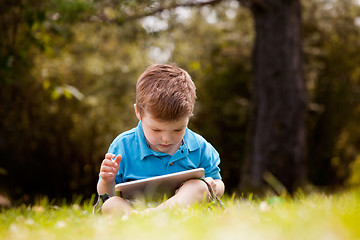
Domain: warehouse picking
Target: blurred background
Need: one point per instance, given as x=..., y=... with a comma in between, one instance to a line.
x=68, y=71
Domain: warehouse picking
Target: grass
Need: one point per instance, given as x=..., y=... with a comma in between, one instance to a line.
x=314, y=216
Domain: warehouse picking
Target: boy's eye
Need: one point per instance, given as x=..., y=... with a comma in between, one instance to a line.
x=178, y=130
x=156, y=130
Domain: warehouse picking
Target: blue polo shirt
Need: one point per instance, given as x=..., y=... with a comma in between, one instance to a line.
x=139, y=161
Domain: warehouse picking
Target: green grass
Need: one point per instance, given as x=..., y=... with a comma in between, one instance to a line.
x=315, y=216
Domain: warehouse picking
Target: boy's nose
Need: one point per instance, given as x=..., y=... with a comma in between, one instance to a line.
x=166, y=138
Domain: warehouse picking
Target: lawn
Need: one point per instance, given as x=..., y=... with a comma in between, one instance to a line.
x=313, y=216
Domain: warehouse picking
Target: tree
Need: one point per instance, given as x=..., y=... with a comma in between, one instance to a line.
x=277, y=135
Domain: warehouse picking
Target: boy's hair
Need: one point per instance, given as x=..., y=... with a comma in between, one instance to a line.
x=166, y=92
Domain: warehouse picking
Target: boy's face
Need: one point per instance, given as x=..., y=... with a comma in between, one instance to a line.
x=163, y=136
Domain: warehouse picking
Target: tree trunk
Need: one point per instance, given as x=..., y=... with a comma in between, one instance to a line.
x=277, y=134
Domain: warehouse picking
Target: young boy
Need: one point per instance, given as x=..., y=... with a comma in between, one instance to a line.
x=161, y=143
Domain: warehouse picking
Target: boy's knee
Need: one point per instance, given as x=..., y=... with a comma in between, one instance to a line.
x=203, y=188
x=198, y=187
x=116, y=205
x=109, y=205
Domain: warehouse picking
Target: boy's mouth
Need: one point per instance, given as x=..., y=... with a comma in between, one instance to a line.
x=165, y=146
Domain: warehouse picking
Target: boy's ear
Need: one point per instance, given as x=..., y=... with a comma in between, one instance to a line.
x=137, y=112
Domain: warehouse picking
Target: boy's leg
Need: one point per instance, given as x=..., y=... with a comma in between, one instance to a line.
x=190, y=192
x=116, y=205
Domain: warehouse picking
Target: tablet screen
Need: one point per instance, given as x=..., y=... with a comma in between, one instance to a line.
x=157, y=187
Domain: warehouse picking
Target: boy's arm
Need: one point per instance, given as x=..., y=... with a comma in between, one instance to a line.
x=104, y=187
x=108, y=171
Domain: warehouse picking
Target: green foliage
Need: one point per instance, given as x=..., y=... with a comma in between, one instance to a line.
x=70, y=11
x=82, y=81
x=313, y=216
x=331, y=49
x=58, y=112
x=68, y=71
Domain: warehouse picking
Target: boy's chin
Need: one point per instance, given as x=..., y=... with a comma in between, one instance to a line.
x=164, y=149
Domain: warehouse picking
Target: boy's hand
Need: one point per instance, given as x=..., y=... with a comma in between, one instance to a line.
x=212, y=183
x=109, y=168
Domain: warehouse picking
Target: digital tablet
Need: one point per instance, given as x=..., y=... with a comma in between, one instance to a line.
x=157, y=187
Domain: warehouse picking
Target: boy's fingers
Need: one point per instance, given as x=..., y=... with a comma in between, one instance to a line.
x=107, y=169
x=118, y=159
x=105, y=175
x=109, y=156
x=211, y=181
x=107, y=162
x=109, y=166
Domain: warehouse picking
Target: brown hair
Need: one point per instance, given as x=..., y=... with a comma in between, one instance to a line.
x=166, y=92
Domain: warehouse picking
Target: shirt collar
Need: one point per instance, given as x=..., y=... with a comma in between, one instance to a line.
x=190, y=142
x=142, y=143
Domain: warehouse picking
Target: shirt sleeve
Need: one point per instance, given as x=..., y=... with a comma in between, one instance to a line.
x=210, y=161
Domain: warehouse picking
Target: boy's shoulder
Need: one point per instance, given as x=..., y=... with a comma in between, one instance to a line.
x=194, y=136
x=126, y=136
x=195, y=139
x=196, y=142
